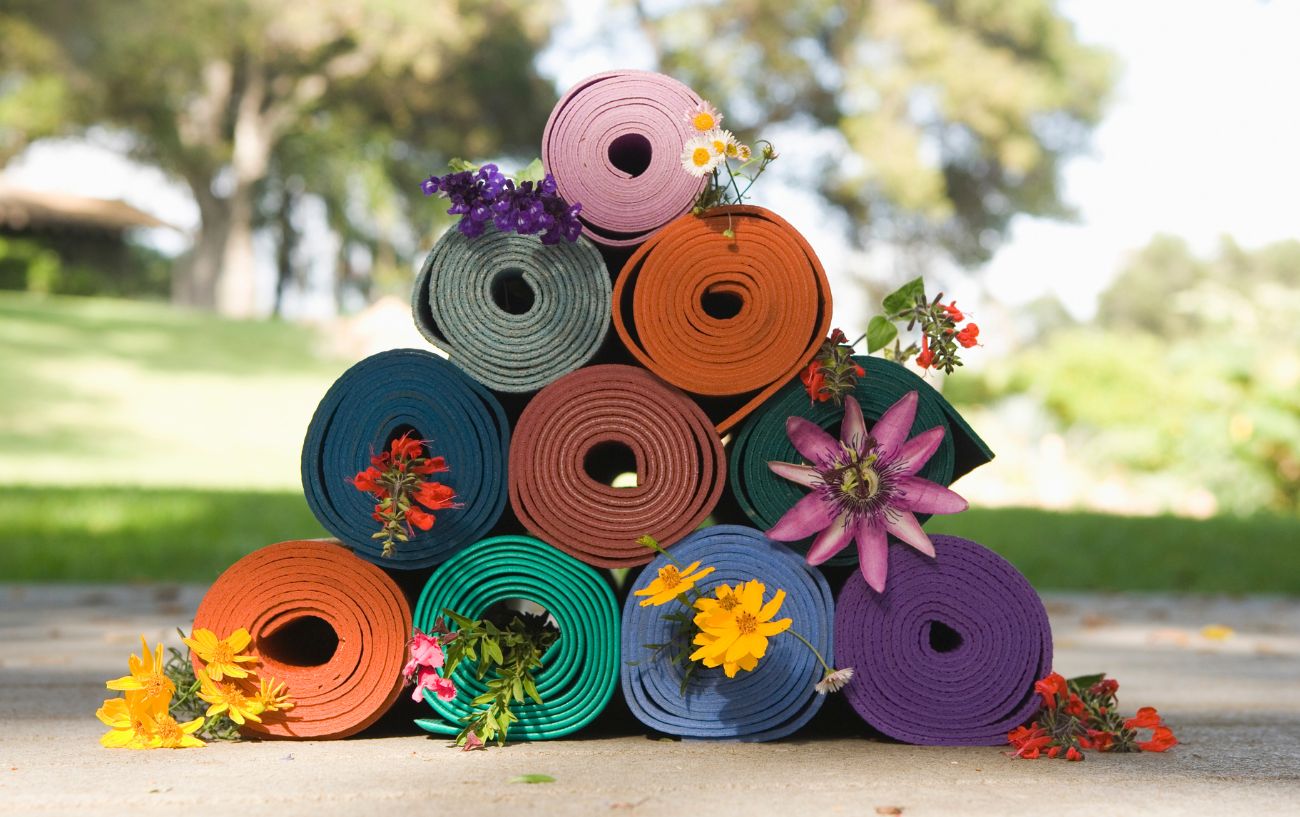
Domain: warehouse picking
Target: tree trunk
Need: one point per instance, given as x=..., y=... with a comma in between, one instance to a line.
x=194, y=279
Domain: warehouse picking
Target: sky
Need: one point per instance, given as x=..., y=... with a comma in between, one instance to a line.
x=1202, y=140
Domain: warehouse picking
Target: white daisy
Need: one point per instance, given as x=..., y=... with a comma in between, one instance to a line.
x=698, y=156
x=703, y=117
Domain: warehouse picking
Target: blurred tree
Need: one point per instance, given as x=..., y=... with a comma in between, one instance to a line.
x=1192, y=370
x=212, y=90
x=955, y=115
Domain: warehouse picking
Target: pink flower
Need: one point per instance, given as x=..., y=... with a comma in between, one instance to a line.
x=444, y=688
x=472, y=741
x=428, y=678
x=864, y=487
x=426, y=651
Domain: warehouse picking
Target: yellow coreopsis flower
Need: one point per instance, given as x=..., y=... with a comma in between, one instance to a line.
x=742, y=632
x=221, y=657
x=671, y=583
x=173, y=735
x=132, y=721
x=228, y=697
x=147, y=676
x=272, y=696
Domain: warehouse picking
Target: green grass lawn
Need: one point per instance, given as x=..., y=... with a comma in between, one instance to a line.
x=141, y=442
x=119, y=534
x=108, y=392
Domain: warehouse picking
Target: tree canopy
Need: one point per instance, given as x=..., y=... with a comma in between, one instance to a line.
x=224, y=93
x=955, y=115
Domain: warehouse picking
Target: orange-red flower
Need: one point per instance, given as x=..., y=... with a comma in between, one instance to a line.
x=1051, y=687
x=404, y=447
x=1146, y=718
x=432, y=465
x=814, y=382
x=368, y=480
x=1162, y=739
x=419, y=518
x=926, y=357
x=435, y=496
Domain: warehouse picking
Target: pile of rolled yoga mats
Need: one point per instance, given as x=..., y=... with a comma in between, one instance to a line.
x=609, y=402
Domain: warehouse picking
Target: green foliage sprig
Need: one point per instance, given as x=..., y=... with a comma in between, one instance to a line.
x=940, y=337
x=513, y=653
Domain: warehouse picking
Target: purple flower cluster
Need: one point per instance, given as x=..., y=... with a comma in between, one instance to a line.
x=483, y=195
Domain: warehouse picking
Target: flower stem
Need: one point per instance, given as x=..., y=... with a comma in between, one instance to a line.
x=809, y=645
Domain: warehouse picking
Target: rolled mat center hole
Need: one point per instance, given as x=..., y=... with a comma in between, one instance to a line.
x=398, y=432
x=721, y=305
x=630, y=153
x=943, y=638
x=309, y=641
x=532, y=614
x=511, y=292
x=612, y=463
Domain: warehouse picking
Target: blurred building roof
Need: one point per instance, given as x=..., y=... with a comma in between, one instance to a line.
x=22, y=209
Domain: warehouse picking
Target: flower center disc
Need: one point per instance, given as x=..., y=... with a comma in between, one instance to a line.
x=746, y=623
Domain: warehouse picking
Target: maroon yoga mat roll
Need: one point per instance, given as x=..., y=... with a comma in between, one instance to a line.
x=614, y=144
x=588, y=427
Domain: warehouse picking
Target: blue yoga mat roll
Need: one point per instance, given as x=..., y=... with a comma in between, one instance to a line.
x=773, y=700
x=377, y=400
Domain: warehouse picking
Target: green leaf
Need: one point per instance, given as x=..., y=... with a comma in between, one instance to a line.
x=905, y=297
x=531, y=689
x=880, y=333
x=534, y=172
x=493, y=650
x=459, y=165
x=517, y=690
x=1085, y=681
x=533, y=778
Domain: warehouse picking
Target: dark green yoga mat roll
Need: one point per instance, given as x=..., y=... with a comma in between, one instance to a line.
x=514, y=313
x=764, y=496
x=579, y=672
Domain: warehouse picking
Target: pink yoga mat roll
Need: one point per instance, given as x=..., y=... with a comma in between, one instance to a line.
x=614, y=144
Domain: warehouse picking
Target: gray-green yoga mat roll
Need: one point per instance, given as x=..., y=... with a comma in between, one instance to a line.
x=513, y=313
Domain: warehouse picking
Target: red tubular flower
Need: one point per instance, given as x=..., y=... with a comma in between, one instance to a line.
x=1101, y=741
x=406, y=448
x=433, y=465
x=1105, y=688
x=419, y=518
x=380, y=461
x=1073, y=754
x=1029, y=741
x=858, y=371
x=435, y=496
x=1162, y=739
x=1050, y=687
x=1146, y=718
x=926, y=357
x=368, y=480
x=814, y=382
x=954, y=312
x=1075, y=706
x=838, y=338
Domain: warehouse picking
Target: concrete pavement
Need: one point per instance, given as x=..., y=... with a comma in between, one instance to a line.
x=1231, y=692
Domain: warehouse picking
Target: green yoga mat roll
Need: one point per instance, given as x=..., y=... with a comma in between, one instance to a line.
x=579, y=672
x=764, y=496
x=513, y=313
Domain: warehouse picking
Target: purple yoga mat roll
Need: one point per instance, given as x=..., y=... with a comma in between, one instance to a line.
x=948, y=654
x=614, y=144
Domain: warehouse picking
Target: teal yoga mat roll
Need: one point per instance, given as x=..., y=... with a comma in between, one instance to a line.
x=580, y=671
x=764, y=496
x=377, y=400
x=512, y=312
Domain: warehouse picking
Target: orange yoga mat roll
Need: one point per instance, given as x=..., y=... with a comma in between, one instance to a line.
x=729, y=320
x=332, y=626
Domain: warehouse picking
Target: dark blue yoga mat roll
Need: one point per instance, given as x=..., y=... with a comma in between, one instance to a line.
x=773, y=700
x=377, y=400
